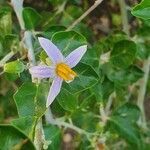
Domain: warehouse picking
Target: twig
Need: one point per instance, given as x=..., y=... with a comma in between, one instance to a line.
x=6, y=58
x=142, y=90
x=97, y=3
x=123, y=10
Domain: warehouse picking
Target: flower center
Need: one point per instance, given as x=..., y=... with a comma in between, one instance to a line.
x=65, y=72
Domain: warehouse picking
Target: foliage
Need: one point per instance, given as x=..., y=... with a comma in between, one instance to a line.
x=100, y=107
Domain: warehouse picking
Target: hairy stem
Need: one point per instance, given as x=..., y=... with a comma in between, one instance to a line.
x=39, y=136
x=59, y=122
x=18, y=8
x=124, y=15
x=142, y=90
x=29, y=46
x=97, y=3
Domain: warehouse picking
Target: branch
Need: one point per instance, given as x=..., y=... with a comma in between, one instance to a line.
x=49, y=119
x=97, y=3
x=142, y=90
x=124, y=15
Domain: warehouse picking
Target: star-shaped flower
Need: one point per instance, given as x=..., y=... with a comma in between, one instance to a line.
x=61, y=68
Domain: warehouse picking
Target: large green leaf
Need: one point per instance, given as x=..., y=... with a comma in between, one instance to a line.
x=13, y=139
x=25, y=125
x=53, y=137
x=123, y=122
x=123, y=53
x=67, y=100
x=30, y=99
x=25, y=99
x=122, y=77
x=31, y=18
x=67, y=41
x=142, y=10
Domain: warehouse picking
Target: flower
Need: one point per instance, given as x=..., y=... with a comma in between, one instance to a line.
x=61, y=68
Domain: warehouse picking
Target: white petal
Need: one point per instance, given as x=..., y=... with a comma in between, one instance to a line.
x=74, y=57
x=54, y=90
x=52, y=51
x=42, y=71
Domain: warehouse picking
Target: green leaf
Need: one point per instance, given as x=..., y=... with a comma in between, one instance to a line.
x=31, y=18
x=102, y=90
x=123, y=54
x=51, y=30
x=25, y=125
x=122, y=77
x=30, y=99
x=40, y=99
x=5, y=21
x=13, y=139
x=123, y=122
x=25, y=99
x=14, y=67
x=52, y=137
x=67, y=41
x=85, y=120
x=92, y=59
x=11, y=42
x=142, y=10
x=67, y=100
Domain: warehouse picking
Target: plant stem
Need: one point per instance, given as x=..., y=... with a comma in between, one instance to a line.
x=97, y=3
x=124, y=15
x=18, y=8
x=29, y=46
x=38, y=138
x=142, y=91
x=109, y=103
x=6, y=58
x=59, y=122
